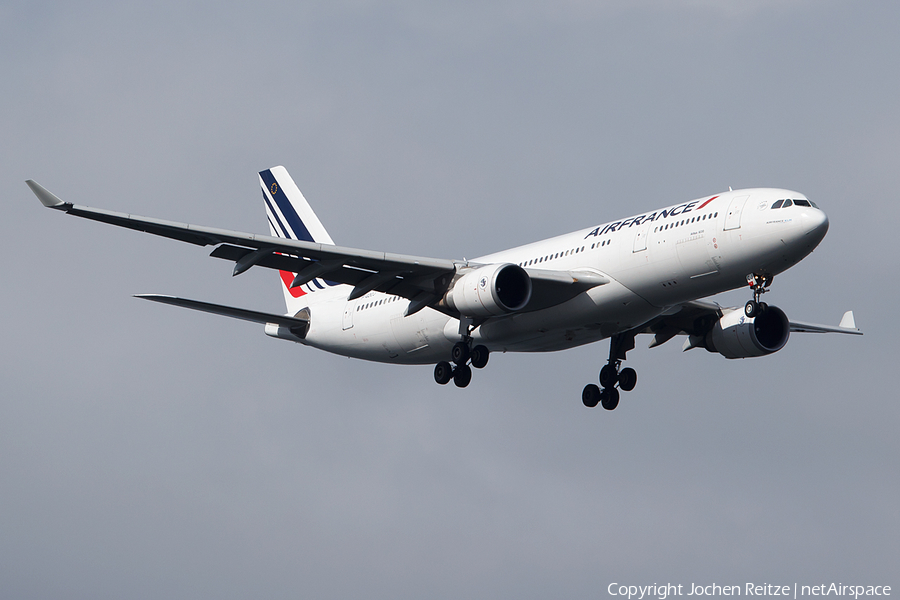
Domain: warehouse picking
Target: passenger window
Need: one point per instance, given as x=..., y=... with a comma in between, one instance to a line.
x=778, y=204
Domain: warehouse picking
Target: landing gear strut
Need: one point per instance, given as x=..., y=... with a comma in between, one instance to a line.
x=462, y=356
x=606, y=394
x=760, y=285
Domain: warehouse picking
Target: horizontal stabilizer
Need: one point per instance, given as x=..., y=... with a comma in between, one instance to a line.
x=295, y=324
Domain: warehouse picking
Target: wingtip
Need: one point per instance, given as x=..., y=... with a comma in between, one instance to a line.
x=46, y=197
x=848, y=322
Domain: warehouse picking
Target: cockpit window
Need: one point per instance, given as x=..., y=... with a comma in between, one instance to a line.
x=813, y=204
x=786, y=204
x=778, y=204
x=801, y=202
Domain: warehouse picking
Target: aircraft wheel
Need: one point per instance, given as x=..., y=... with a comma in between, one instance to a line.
x=480, y=356
x=751, y=309
x=627, y=379
x=608, y=376
x=460, y=353
x=609, y=398
x=590, y=395
x=462, y=375
x=443, y=372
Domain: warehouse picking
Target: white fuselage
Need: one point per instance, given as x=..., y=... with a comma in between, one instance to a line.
x=653, y=260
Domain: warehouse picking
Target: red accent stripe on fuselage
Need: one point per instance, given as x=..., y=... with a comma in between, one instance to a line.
x=705, y=203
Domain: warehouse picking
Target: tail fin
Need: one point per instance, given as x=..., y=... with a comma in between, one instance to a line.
x=291, y=217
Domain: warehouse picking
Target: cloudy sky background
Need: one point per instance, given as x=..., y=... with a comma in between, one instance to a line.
x=148, y=451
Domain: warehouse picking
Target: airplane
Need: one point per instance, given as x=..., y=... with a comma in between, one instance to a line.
x=646, y=274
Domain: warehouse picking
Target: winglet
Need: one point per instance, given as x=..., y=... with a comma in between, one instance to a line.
x=45, y=196
x=848, y=321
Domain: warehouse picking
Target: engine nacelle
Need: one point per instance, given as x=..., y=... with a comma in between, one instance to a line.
x=490, y=291
x=737, y=336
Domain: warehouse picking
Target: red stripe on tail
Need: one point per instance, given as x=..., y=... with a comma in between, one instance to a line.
x=287, y=278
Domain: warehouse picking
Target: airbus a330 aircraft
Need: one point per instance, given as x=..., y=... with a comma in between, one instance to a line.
x=643, y=274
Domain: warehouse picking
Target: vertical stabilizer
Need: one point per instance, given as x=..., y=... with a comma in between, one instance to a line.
x=291, y=217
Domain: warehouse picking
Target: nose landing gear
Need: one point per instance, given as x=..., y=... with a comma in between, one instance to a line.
x=759, y=283
x=607, y=395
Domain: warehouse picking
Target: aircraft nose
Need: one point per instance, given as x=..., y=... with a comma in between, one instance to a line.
x=815, y=225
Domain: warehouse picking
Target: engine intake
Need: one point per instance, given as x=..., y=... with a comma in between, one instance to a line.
x=738, y=336
x=490, y=291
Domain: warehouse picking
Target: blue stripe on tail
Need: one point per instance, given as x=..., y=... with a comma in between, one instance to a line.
x=294, y=223
x=278, y=226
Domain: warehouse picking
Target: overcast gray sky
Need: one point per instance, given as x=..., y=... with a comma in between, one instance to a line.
x=153, y=452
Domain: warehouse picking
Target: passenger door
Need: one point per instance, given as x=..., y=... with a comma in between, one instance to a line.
x=735, y=210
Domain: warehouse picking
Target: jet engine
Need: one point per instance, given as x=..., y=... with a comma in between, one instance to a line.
x=738, y=336
x=490, y=291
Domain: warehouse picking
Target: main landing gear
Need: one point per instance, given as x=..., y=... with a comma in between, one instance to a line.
x=606, y=394
x=462, y=356
x=760, y=285
x=459, y=371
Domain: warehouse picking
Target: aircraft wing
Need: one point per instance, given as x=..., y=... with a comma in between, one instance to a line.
x=847, y=325
x=422, y=280
x=695, y=318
